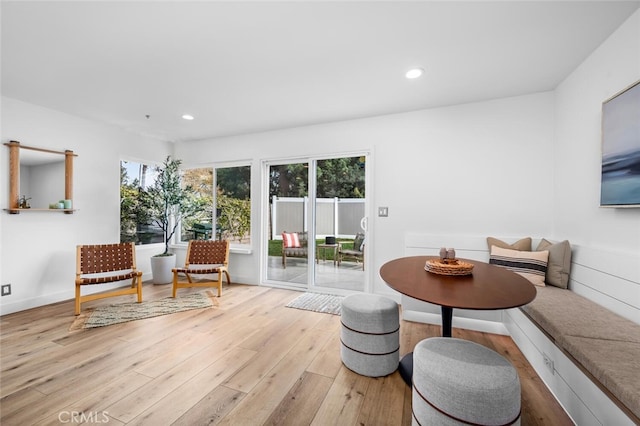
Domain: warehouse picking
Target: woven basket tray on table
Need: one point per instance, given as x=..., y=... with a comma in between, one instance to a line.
x=448, y=267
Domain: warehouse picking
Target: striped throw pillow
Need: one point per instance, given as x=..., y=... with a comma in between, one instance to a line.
x=530, y=264
x=291, y=240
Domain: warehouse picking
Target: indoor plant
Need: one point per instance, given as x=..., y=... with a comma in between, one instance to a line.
x=168, y=202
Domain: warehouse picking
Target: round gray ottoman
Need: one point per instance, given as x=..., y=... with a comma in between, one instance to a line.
x=457, y=382
x=370, y=335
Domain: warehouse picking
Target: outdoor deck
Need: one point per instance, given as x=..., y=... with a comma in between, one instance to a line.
x=348, y=276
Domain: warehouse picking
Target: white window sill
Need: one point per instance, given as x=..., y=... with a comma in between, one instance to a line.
x=241, y=250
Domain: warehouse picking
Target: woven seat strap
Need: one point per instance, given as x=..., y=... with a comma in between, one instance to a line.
x=109, y=279
x=199, y=271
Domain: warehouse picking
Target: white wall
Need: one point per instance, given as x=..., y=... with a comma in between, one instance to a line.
x=482, y=169
x=38, y=248
x=512, y=167
x=577, y=215
x=527, y=165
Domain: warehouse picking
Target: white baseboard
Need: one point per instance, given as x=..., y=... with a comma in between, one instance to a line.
x=457, y=322
x=35, y=302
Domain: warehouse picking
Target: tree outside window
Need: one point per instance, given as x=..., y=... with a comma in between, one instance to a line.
x=231, y=219
x=135, y=220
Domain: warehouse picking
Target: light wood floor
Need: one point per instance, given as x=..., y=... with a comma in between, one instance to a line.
x=247, y=361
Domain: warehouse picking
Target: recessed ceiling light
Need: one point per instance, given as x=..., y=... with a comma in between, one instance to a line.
x=188, y=117
x=414, y=73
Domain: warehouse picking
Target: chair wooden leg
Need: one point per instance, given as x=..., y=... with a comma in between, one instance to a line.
x=175, y=284
x=77, y=299
x=219, y=283
x=138, y=279
x=228, y=277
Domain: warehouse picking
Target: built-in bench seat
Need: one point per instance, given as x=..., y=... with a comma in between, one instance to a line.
x=583, y=342
x=604, y=345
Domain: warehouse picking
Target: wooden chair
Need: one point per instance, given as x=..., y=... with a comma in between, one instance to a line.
x=106, y=263
x=356, y=252
x=209, y=257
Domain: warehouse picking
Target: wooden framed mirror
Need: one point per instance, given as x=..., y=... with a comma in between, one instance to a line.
x=35, y=179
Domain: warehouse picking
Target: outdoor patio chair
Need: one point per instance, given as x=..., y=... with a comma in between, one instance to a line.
x=204, y=257
x=357, y=252
x=294, y=244
x=106, y=263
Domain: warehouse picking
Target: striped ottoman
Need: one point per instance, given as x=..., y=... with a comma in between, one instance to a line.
x=457, y=382
x=370, y=335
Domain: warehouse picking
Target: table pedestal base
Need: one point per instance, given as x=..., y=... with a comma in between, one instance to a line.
x=406, y=363
x=447, y=319
x=406, y=368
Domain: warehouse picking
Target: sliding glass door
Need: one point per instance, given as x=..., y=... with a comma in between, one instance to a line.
x=340, y=219
x=316, y=212
x=288, y=240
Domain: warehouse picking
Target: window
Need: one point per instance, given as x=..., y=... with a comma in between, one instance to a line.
x=232, y=218
x=135, y=224
x=200, y=225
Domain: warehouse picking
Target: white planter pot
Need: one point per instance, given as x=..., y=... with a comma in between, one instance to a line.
x=161, y=268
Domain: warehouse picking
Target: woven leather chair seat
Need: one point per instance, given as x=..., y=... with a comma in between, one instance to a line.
x=203, y=257
x=106, y=263
x=109, y=279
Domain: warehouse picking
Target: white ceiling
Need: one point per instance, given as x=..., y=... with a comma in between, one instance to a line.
x=242, y=67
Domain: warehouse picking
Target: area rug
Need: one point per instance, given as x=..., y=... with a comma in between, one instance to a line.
x=325, y=303
x=124, y=312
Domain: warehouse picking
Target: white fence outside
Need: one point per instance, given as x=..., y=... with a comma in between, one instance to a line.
x=339, y=217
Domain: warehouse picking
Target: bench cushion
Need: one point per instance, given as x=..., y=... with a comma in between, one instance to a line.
x=616, y=364
x=606, y=344
x=564, y=313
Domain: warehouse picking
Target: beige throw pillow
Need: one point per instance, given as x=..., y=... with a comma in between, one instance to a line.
x=522, y=245
x=559, y=264
x=530, y=264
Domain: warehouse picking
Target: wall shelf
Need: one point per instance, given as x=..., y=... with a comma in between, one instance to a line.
x=18, y=210
x=14, y=177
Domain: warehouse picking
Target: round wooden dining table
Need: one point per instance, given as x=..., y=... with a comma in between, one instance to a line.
x=488, y=287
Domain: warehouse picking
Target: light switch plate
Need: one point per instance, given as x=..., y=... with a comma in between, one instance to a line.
x=383, y=211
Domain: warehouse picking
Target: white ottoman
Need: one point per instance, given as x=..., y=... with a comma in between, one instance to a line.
x=370, y=335
x=457, y=382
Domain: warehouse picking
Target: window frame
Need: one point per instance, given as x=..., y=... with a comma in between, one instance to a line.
x=235, y=247
x=150, y=163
